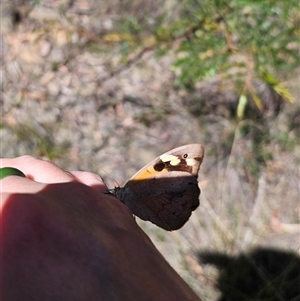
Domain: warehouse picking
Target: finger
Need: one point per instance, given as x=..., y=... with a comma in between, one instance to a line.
x=89, y=179
x=16, y=184
x=38, y=170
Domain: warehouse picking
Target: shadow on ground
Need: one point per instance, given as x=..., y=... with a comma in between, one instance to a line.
x=262, y=274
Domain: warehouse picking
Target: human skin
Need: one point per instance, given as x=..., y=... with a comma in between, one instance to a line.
x=62, y=238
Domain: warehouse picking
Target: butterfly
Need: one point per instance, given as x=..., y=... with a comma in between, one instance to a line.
x=166, y=190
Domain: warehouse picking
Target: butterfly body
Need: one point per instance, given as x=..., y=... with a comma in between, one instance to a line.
x=166, y=190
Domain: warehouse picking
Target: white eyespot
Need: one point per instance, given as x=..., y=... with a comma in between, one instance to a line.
x=166, y=158
x=191, y=162
x=174, y=160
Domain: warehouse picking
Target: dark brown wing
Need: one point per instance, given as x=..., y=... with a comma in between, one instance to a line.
x=165, y=201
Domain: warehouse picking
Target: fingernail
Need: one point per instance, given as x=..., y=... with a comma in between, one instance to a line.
x=10, y=171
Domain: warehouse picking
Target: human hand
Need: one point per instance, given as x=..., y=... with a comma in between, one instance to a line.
x=64, y=239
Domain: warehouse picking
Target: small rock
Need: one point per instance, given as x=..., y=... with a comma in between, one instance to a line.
x=45, y=48
x=53, y=89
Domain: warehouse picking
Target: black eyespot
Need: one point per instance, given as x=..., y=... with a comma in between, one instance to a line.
x=185, y=156
x=159, y=166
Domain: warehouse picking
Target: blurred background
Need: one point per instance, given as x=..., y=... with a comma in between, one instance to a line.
x=106, y=86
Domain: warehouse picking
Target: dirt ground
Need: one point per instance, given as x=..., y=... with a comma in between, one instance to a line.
x=61, y=99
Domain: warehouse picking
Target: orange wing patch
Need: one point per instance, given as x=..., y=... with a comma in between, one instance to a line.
x=148, y=173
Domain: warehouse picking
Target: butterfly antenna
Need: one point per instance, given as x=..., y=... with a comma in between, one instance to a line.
x=109, y=191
